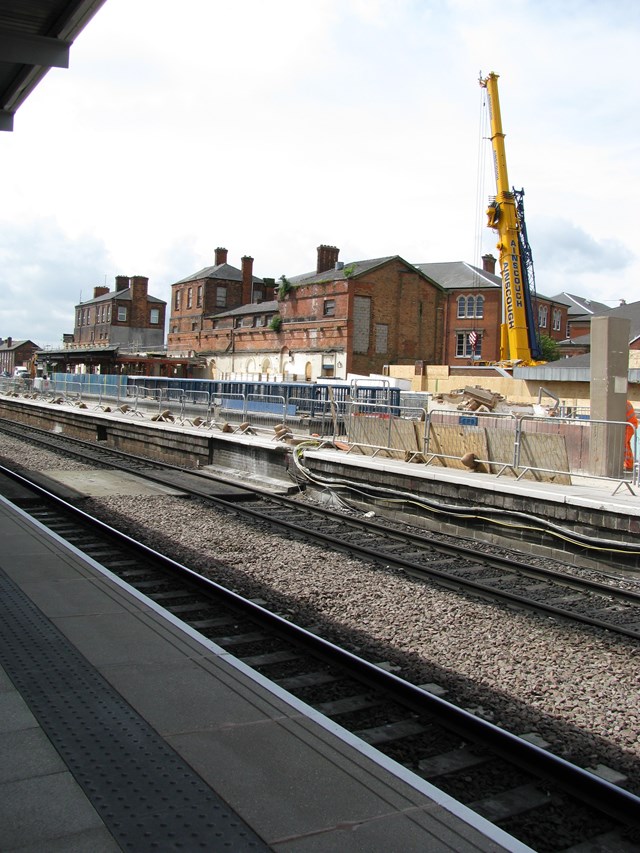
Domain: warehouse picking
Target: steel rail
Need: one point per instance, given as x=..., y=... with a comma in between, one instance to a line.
x=618, y=803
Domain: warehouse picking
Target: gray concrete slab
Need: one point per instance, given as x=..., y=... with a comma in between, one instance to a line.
x=104, y=483
x=15, y=715
x=27, y=753
x=298, y=783
x=40, y=808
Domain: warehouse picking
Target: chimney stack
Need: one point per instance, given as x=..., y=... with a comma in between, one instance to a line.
x=247, y=280
x=99, y=291
x=327, y=258
x=221, y=256
x=489, y=264
x=122, y=283
x=9, y=343
x=139, y=290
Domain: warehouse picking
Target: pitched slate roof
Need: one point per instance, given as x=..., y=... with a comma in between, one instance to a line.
x=353, y=269
x=118, y=294
x=222, y=271
x=580, y=305
x=254, y=308
x=16, y=345
x=459, y=275
x=630, y=312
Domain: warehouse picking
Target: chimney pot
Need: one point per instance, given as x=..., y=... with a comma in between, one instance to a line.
x=327, y=258
x=489, y=264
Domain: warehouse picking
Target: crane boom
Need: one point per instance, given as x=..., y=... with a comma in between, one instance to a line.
x=519, y=341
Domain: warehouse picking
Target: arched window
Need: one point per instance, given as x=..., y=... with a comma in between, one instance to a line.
x=470, y=306
x=543, y=316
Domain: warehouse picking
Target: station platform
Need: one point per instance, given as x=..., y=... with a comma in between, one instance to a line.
x=122, y=729
x=590, y=493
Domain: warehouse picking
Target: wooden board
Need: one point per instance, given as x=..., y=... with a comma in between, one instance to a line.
x=545, y=451
x=396, y=433
x=449, y=442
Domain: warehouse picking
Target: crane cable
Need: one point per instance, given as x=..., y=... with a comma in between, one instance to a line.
x=481, y=176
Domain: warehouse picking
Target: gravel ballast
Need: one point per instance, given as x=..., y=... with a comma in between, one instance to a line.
x=579, y=688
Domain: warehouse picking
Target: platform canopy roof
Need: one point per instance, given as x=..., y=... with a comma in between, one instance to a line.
x=35, y=35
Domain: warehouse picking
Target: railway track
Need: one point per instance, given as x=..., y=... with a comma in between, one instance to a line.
x=493, y=575
x=537, y=797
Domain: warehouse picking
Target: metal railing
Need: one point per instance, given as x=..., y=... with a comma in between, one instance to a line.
x=573, y=446
x=453, y=434
x=525, y=446
x=543, y=448
x=381, y=427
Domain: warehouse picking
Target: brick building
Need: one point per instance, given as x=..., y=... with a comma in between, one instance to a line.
x=335, y=320
x=360, y=316
x=207, y=293
x=343, y=319
x=15, y=354
x=128, y=315
x=474, y=309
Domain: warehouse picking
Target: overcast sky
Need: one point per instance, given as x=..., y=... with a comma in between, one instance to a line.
x=272, y=127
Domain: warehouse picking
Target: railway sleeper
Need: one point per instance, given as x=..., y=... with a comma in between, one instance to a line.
x=349, y=704
x=608, y=842
x=390, y=732
x=306, y=679
x=510, y=803
x=450, y=762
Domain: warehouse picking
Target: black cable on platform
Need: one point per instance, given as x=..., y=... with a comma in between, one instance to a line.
x=490, y=515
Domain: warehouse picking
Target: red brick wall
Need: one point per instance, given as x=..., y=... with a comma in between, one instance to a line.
x=186, y=337
x=138, y=311
x=488, y=324
x=401, y=299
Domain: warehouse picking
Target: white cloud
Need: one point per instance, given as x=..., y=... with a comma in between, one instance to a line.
x=270, y=128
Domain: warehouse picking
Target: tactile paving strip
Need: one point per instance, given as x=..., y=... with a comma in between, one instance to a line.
x=145, y=793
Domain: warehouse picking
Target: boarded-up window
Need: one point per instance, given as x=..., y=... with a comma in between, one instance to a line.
x=382, y=336
x=361, y=323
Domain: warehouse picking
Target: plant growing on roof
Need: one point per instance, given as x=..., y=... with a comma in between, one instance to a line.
x=349, y=271
x=276, y=323
x=284, y=288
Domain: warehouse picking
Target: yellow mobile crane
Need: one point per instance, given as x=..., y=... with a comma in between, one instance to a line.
x=519, y=341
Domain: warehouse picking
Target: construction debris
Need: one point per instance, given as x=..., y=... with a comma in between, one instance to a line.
x=164, y=416
x=282, y=432
x=246, y=428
